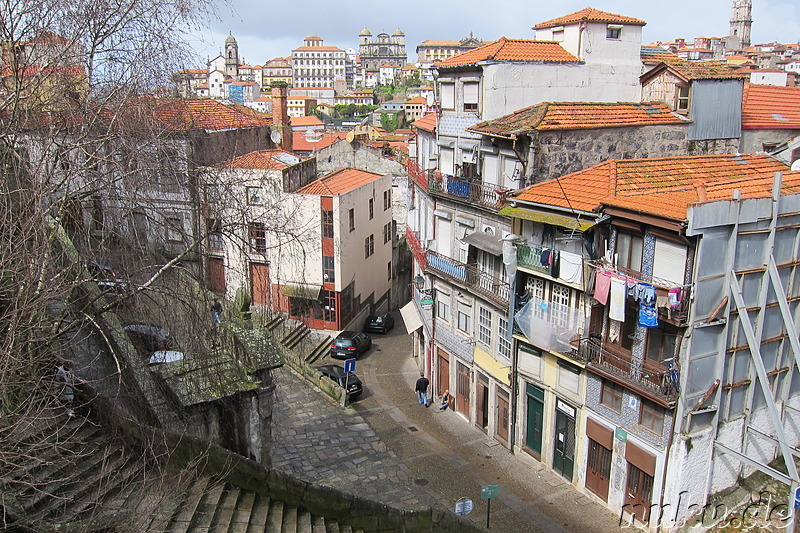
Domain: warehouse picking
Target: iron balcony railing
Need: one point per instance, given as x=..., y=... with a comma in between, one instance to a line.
x=530, y=256
x=471, y=190
x=470, y=277
x=643, y=376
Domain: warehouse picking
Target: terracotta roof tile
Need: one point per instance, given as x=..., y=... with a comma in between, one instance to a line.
x=318, y=49
x=512, y=50
x=417, y=100
x=770, y=107
x=338, y=182
x=426, y=123
x=657, y=186
x=578, y=115
x=181, y=114
x=301, y=144
x=590, y=14
x=653, y=55
x=262, y=159
x=305, y=121
x=698, y=70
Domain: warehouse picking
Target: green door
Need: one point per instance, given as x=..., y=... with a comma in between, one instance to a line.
x=564, y=445
x=533, y=426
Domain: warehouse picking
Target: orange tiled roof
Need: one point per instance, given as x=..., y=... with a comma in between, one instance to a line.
x=658, y=186
x=512, y=50
x=338, y=182
x=426, y=123
x=697, y=70
x=770, y=107
x=652, y=55
x=262, y=159
x=417, y=100
x=301, y=144
x=305, y=121
x=180, y=114
x=578, y=115
x=589, y=14
x=318, y=49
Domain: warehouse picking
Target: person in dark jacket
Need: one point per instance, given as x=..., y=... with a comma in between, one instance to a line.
x=422, y=389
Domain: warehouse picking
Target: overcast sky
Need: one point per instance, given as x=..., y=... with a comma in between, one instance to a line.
x=269, y=29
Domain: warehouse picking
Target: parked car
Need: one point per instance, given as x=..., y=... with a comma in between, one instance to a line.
x=350, y=344
x=153, y=343
x=107, y=277
x=379, y=323
x=337, y=374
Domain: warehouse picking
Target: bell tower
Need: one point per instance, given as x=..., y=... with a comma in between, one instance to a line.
x=741, y=20
x=231, y=56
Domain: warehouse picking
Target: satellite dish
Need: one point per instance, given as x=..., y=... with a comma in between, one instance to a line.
x=350, y=136
x=313, y=136
x=275, y=136
x=796, y=165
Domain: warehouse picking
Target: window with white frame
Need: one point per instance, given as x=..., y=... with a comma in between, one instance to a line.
x=559, y=304
x=613, y=31
x=443, y=310
x=485, y=326
x=470, y=96
x=535, y=286
x=465, y=322
x=503, y=344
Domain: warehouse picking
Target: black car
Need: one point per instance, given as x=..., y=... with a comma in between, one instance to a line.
x=379, y=323
x=337, y=374
x=350, y=344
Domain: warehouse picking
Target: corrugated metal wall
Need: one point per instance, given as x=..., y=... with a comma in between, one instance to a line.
x=716, y=110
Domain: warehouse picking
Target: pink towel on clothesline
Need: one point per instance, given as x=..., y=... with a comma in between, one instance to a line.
x=602, y=282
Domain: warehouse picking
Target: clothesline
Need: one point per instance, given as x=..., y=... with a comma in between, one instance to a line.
x=657, y=282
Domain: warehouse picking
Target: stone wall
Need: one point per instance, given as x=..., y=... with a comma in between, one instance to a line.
x=558, y=153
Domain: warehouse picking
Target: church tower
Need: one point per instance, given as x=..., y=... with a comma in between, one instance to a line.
x=741, y=20
x=231, y=56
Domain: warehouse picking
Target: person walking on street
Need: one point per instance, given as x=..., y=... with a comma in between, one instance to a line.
x=422, y=389
x=216, y=310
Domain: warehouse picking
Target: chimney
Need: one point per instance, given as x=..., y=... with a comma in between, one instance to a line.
x=280, y=114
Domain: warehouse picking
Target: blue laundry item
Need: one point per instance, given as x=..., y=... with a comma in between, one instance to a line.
x=544, y=258
x=648, y=315
x=646, y=294
x=632, y=286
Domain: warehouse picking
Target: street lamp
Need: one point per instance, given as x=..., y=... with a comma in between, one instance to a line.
x=419, y=284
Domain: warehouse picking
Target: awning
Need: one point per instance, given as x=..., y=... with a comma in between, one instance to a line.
x=485, y=241
x=299, y=290
x=411, y=316
x=547, y=218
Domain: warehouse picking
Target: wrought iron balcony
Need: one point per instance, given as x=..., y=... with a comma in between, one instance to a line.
x=469, y=277
x=529, y=256
x=646, y=377
x=470, y=190
x=414, y=244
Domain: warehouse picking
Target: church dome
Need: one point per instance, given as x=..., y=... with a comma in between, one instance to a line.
x=230, y=39
x=365, y=31
x=398, y=31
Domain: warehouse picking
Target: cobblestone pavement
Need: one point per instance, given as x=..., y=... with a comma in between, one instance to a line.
x=318, y=440
x=389, y=448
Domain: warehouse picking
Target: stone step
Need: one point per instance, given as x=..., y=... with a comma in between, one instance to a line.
x=259, y=515
x=226, y=508
x=207, y=509
x=181, y=522
x=318, y=524
x=275, y=517
x=332, y=526
x=289, y=522
x=242, y=512
x=320, y=351
x=304, y=522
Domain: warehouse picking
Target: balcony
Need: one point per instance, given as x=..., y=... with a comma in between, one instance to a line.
x=646, y=377
x=470, y=277
x=529, y=256
x=417, y=250
x=469, y=190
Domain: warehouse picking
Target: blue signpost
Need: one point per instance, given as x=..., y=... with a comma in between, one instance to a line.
x=350, y=366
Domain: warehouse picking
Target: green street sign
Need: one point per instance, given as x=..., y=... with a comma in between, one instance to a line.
x=490, y=491
x=621, y=435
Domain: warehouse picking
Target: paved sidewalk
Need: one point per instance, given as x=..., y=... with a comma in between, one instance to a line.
x=394, y=450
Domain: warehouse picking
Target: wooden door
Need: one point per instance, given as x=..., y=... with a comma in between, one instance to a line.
x=638, y=493
x=216, y=274
x=443, y=376
x=598, y=469
x=482, y=406
x=259, y=278
x=503, y=417
x=534, y=420
x=462, y=389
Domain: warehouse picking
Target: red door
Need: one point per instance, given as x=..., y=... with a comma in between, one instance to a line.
x=462, y=389
x=259, y=278
x=598, y=469
x=638, y=493
x=443, y=377
x=216, y=274
x=503, y=417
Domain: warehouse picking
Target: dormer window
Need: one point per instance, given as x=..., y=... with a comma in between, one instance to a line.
x=558, y=33
x=613, y=31
x=682, y=98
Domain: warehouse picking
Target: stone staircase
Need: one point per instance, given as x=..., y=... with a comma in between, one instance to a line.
x=78, y=478
x=298, y=340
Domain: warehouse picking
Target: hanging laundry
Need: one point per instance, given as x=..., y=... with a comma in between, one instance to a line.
x=544, y=258
x=570, y=267
x=590, y=281
x=662, y=302
x=555, y=263
x=632, y=288
x=648, y=315
x=602, y=282
x=616, y=310
x=646, y=293
x=674, y=297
